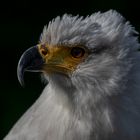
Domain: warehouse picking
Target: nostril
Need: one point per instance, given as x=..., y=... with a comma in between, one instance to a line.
x=43, y=49
x=44, y=52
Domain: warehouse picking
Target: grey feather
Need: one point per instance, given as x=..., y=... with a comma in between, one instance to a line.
x=101, y=99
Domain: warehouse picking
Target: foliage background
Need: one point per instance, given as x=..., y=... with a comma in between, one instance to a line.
x=21, y=23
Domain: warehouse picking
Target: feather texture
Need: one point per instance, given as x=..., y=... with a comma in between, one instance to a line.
x=101, y=99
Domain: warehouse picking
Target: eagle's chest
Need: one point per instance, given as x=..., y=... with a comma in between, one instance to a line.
x=55, y=119
x=58, y=121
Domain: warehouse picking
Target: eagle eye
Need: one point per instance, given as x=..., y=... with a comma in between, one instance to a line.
x=77, y=52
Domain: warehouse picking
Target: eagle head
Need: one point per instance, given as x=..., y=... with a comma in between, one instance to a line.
x=83, y=52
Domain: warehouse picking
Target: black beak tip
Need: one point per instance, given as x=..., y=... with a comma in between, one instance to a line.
x=20, y=75
x=29, y=61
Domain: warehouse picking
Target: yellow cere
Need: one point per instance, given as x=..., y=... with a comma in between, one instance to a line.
x=62, y=59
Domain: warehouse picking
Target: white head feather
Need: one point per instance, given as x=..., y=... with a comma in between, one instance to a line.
x=101, y=99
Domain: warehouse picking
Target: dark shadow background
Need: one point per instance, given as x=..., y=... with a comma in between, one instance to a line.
x=21, y=23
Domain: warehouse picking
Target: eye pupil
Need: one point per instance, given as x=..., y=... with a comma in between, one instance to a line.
x=77, y=52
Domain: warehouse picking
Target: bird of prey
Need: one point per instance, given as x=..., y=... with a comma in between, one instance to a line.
x=92, y=66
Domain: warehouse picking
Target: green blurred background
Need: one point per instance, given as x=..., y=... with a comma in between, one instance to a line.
x=20, y=27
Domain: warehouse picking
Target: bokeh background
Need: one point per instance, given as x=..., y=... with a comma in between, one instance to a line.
x=21, y=23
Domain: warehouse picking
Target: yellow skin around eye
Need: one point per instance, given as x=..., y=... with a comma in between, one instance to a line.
x=59, y=59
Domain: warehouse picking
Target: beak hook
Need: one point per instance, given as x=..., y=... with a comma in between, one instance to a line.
x=30, y=60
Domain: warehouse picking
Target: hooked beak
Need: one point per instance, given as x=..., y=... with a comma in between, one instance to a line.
x=30, y=60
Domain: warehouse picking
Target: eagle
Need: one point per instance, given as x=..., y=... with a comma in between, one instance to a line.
x=92, y=69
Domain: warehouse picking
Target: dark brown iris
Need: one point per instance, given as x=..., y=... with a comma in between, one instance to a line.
x=77, y=52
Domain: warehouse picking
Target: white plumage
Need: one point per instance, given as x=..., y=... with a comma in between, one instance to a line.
x=100, y=99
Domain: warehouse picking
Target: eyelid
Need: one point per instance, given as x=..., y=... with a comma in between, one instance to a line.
x=83, y=47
